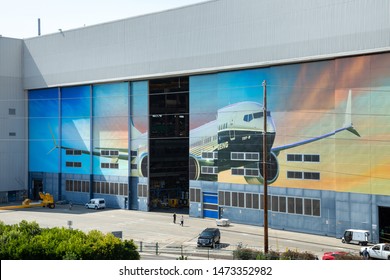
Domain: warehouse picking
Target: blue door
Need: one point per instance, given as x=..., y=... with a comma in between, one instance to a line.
x=210, y=205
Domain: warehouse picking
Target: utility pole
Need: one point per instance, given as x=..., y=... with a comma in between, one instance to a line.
x=265, y=155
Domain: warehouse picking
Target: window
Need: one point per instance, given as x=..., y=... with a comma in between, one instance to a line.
x=12, y=134
x=294, y=174
x=294, y=157
x=316, y=207
x=311, y=175
x=73, y=164
x=255, y=203
x=106, y=165
x=11, y=111
x=221, y=198
x=275, y=203
x=298, y=206
x=209, y=170
x=241, y=201
x=234, y=199
x=227, y=198
x=209, y=155
x=291, y=205
x=307, y=206
x=244, y=156
x=237, y=156
x=238, y=171
x=282, y=204
x=194, y=195
x=251, y=172
x=248, y=199
x=312, y=158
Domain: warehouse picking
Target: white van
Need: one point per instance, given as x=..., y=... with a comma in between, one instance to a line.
x=96, y=203
x=362, y=237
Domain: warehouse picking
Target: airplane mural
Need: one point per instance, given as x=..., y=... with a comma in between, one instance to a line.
x=238, y=125
x=241, y=125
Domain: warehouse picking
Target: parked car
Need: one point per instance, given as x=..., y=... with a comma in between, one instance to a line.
x=209, y=237
x=333, y=255
x=379, y=251
x=96, y=203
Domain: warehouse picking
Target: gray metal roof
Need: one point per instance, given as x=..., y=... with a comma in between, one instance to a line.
x=210, y=36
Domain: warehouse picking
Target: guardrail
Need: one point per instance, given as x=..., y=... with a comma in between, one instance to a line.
x=221, y=251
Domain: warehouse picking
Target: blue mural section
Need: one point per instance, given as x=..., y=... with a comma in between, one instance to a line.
x=44, y=131
x=110, y=129
x=75, y=130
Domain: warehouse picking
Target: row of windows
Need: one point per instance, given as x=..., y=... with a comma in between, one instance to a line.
x=282, y=204
x=245, y=156
x=210, y=155
x=303, y=158
x=104, y=165
x=98, y=187
x=73, y=164
x=109, y=153
x=109, y=165
x=211, y=170
x=71, y=152
x=110, y=188
x=77, y=186
x=249, y=172
x=303, y=175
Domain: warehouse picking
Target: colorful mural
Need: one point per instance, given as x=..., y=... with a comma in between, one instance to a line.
x=327, y=125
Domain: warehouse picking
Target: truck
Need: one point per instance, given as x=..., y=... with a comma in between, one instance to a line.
x=379, y=251
x=362, y=237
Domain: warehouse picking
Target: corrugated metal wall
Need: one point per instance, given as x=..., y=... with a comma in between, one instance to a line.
x=12, y=117
x=215, y=35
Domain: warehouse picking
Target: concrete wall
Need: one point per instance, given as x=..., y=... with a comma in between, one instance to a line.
x=13, y=143
x=215, y=35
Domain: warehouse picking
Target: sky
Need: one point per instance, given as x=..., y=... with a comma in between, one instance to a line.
x=19, y=18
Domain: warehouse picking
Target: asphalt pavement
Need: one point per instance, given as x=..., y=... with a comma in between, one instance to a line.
x=157, y=237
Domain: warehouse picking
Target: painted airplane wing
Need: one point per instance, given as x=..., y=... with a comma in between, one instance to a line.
x=346, y=126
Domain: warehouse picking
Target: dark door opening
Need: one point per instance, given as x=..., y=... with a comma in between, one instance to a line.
x=384, y=224
x=37, y=187
x=169, y=144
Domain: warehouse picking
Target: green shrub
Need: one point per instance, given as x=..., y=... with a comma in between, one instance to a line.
x=27, y=241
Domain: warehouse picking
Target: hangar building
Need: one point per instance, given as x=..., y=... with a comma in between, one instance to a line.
x=166, y=111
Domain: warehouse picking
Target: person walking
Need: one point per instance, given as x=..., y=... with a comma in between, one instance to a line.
x=182, y=220
x=366, y=255
x=174, y=218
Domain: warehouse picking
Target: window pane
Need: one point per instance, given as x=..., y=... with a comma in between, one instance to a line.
x=255, y=203
x=248, y=200
x=227, y=198
x=298, y=206
x=307, y=206
x=291, y=205
x=234, y=199
x=275, y=203
x=282, y=204
x=316, y=207
x=241, y=200
x=221, y=198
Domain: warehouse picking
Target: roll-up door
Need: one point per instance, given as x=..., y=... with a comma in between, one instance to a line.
x=210, y=205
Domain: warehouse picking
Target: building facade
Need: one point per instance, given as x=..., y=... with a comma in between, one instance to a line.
x=166, y=110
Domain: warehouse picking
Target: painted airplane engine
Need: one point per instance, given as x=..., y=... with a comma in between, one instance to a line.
x=272, y=170
x=195, y=169
x=143, y=165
